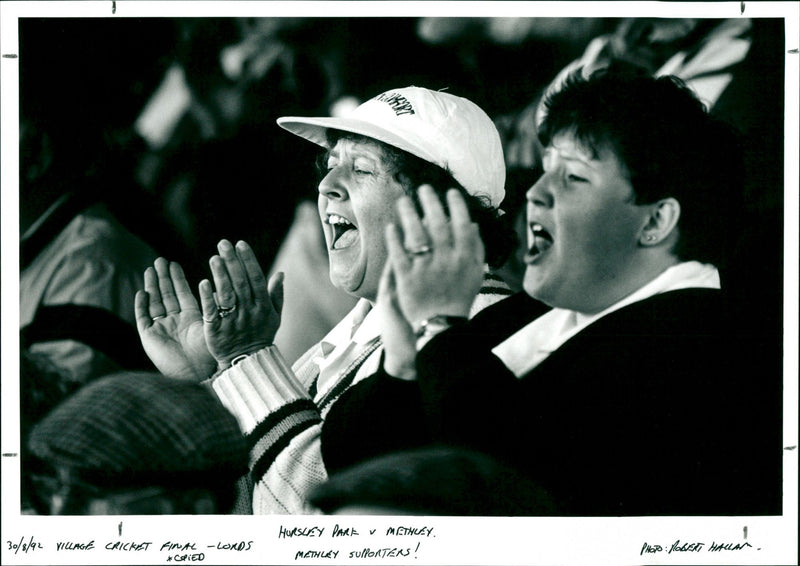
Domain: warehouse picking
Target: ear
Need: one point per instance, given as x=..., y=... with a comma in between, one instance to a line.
x=661, y=222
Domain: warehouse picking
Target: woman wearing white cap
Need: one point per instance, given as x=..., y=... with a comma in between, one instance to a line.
x=386, y=148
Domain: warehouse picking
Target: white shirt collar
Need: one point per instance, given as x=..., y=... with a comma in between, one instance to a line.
x=360, y=325
x=529, y=346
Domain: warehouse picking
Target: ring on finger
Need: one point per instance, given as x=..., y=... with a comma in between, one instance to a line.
x=223, y=312
x=210, y=319
x=420, y=251
x=159, y=316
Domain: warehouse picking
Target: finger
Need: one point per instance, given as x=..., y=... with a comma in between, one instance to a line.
x=155, y=307
x=207, y=302
x=225, y=296
x=276, y=291
x=186, y=299
x=241, y=285
x=436, y=221
x=459, y=213
x=168, y=297
x=414, y=234
x=255, y=275
x=141, y=303
x=397, y=253
x=466, y=235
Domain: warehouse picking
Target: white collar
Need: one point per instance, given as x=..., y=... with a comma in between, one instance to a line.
x=361, y=325
x=524, y=350
x=685, y=275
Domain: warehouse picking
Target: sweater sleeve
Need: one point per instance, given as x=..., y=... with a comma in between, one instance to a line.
x=468, y=395
x=282, y=426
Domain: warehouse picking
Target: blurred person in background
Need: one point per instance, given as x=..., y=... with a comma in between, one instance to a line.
x=387, y=147
x=441, y=480
x=42, y=386
x=636, y=390
x=81, y=249
x=136, y=444
x=209, y=131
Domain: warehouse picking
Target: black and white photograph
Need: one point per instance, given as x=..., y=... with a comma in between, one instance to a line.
x=399, y=282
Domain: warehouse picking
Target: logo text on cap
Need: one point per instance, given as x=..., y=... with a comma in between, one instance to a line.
x=397, y=102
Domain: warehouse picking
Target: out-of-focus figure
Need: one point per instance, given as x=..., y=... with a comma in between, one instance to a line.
x=136, y=444
x=433, y=481
x=81, y=260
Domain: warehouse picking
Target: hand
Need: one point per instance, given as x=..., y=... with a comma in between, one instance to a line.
x=244, y=314
x=399, y=342
x=446, y=276
x=169, y=324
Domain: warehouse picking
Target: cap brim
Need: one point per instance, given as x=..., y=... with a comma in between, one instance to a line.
x=315, y=130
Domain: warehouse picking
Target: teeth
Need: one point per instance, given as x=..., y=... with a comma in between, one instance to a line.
x=540, y=240
x=335, y=219
x=538, y=231
x=345, y=233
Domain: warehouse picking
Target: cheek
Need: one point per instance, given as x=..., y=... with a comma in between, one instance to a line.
x=374, y=237
x=597, y=230
x=375, y=215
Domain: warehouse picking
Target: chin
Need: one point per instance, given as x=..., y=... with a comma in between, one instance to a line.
x=536, y=290
x=345, y=286
x=531, y=283
x=349, y=285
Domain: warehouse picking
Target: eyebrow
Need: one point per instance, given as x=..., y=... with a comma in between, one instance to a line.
x=590, y=162
x=356, y=152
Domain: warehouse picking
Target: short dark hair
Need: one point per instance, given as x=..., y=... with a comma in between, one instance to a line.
x=412, y=172
x=669, y=144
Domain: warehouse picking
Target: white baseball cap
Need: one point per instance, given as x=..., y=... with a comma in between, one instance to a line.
x=447, y=130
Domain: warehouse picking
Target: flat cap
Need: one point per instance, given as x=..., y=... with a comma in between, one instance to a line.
x=131, y=429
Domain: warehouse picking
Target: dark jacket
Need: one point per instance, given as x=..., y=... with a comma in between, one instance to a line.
x=659, y=408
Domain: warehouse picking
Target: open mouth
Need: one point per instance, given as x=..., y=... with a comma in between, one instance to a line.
x=542, y=241
x=345, y=233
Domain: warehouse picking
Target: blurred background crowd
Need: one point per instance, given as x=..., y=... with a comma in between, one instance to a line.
x=159, y=135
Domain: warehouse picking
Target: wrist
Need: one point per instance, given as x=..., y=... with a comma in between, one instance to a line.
x=226, y=362
x=400, y=370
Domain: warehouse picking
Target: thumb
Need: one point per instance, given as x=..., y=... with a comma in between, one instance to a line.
x=275, y=289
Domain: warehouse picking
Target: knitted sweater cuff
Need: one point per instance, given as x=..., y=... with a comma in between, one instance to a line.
x=257, y=387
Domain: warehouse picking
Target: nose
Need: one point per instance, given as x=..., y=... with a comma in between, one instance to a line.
x=540, y=193
x=332, y=185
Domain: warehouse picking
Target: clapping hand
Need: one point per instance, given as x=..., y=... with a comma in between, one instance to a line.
x=399, y=342
x=438, y=263
x=435, y=267
x=170, y=324
x=243, y=315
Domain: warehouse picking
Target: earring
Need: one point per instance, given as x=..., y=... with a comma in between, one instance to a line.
x=651, y=238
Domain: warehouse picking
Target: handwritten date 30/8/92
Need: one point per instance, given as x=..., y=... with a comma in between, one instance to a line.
x=679, y=546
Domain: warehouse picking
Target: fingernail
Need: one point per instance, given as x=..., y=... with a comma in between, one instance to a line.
x=242, y=245
x=224, y=245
